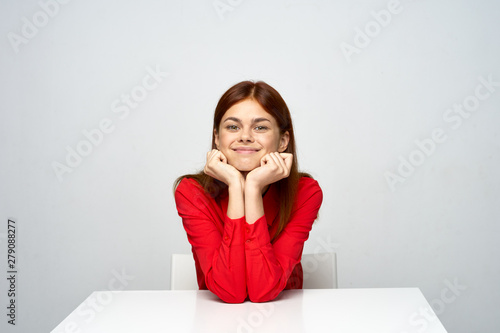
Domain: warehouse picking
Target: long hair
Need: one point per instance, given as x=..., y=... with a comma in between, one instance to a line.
x=272, y=102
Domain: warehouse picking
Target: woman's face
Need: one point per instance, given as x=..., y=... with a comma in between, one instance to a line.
x=247, y=133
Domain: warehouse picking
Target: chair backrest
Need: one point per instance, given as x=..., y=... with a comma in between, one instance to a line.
x=320, y=270
x=183, y=272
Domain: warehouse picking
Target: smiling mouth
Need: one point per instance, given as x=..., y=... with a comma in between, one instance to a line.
x=243, y=150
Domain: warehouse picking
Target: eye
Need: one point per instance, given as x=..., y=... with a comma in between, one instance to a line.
x=261, y=128
x=232, y=127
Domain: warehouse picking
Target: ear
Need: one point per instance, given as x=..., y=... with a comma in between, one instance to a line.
x=284, y=139
x=216, y=138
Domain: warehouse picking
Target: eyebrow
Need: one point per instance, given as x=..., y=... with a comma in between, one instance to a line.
x=255, y=120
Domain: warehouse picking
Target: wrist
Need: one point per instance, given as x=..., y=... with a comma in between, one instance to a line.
x=254, y=205
x=236, y=186
x=236, y=181
x=236, y=202
x=252, y=188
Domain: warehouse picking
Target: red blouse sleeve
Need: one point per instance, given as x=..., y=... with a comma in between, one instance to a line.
x=218, y=244
x=269, y=265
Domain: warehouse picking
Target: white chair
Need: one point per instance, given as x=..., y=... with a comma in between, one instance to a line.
x=183, y=272
x=320, y=270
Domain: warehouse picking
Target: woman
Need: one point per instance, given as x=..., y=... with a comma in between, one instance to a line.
x=249, y=212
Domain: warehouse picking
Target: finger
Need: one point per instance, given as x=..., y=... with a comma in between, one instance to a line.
x=211, y=153
x=287, y=159
x=273, y=159
x=285, y=165
x=278, y=161
x=209, y=158
x=264, y=160
x=286, y=156
x=281, y=161
x=221, y=157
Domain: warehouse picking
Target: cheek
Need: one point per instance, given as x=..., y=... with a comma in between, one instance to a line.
x=272, y=143
x=225, y=141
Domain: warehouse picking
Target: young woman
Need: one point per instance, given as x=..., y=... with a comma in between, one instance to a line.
x=249, y=212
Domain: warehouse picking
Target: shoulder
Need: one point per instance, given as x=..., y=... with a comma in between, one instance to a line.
x=309, y=192
x=192, y=200
x=187, y=189
x=309, y=185
x=188, y=184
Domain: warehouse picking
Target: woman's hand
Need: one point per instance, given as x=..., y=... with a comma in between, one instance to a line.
x=218, y=168
x=273, y=167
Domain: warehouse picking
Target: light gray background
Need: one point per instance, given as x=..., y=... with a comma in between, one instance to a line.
x=354, y=117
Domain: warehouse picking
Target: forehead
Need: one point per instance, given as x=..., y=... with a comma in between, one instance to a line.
x=247, y=110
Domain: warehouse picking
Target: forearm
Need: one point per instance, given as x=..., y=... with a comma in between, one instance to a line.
x=226, y=275
x=236, y=203
x=254, y=206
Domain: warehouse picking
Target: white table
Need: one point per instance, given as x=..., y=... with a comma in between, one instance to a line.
x=384, y=310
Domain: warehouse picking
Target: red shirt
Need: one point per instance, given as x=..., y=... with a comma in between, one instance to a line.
x=236, y=260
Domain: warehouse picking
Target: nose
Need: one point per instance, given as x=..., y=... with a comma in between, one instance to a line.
x=246, y=135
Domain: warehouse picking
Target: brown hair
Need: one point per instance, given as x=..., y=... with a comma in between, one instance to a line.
x=272, y=102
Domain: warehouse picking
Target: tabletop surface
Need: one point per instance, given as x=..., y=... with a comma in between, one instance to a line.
x=384, y=310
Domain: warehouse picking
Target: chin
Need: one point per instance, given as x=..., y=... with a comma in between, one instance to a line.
x=245, y=167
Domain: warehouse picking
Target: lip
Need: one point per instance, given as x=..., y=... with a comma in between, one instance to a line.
x=245, y=150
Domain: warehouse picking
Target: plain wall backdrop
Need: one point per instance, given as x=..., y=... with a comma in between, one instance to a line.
x=396, y=108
